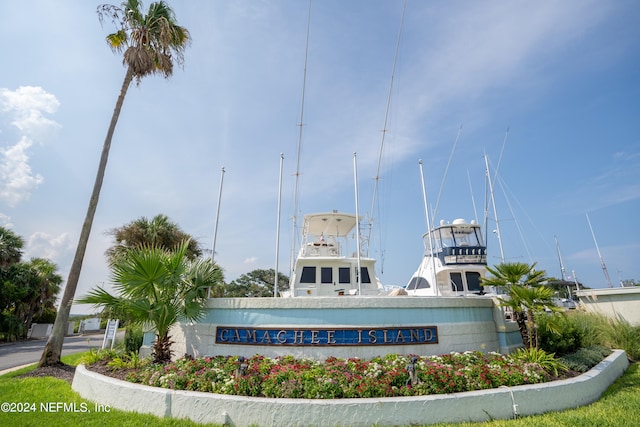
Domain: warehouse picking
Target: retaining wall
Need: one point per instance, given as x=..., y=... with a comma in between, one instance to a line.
x=458, y=407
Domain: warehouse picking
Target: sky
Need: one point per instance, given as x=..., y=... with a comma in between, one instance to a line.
x=546, y=93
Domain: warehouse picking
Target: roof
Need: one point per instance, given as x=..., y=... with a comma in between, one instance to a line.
x=329, y=224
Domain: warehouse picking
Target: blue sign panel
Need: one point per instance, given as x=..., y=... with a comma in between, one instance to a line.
x=406, y=335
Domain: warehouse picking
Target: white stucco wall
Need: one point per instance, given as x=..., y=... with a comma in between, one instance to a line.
x=458, y=407
x=613, y=302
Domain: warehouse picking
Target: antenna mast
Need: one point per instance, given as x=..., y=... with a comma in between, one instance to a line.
x=604, y=267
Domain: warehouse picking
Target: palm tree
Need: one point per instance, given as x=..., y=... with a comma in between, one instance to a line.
x=160, y=231
x=10, y=247
x=150, y=44
x=158, y=288
x=526, y=295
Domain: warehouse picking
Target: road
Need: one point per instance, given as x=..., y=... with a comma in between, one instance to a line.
x=28, y=352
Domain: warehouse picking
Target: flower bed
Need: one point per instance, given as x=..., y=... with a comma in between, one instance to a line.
x=387, y=376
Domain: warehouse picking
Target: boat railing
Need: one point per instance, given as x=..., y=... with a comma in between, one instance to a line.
x=321, y=249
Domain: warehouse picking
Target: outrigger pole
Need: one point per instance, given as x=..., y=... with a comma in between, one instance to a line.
x=426, y=211
x=300, y=124
x=275, y=280
x=359, y=270
x=604, y=267
x=215, y=230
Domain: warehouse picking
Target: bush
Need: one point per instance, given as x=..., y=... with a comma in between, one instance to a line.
x=133, y=338
x=559, y=334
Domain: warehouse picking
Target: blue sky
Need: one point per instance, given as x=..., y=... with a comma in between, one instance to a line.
x=561, y=77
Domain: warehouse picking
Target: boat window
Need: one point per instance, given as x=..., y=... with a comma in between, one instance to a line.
x=473, y=281
x=456, y=282
x=364, y=275
x=412, y=283
x=308, y=275
x=422, y=283
x=326, y=275
x=344, y=275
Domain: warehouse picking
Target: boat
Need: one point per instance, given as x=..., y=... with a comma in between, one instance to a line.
x=454, y=261
x=328, y=259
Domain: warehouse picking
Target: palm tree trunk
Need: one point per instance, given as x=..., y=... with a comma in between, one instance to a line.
x=53, y=348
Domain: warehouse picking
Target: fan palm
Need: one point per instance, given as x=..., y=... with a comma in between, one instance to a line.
x=150, y=43
x=158, y=288
x=526, y=295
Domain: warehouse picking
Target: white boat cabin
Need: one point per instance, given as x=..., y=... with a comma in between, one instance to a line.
x=327, y=262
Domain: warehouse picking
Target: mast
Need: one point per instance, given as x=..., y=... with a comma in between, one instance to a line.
x=602, y=264
x=275, y=279
x=297, y=174
x=359, y=270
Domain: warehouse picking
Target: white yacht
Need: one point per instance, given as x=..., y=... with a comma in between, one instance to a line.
x=328, y=260
x=455, y=258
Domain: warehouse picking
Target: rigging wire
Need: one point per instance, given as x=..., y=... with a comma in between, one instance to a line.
x=300, y=125
x=444, y=177
x=384, y=127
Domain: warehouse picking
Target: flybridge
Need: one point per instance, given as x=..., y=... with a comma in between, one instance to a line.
x=456, y=243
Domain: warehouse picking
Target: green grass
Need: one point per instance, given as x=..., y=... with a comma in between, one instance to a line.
x=619, y=405
x=37, y=391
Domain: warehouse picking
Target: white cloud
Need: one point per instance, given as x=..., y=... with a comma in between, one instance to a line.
x=24, y=109
x=44, y=245
x=17, y=181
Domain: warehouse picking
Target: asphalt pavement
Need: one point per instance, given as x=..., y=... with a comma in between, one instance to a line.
x=17, y=354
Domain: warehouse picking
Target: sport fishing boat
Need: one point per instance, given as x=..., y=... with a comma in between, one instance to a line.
x=329, y=259
x=454, y=261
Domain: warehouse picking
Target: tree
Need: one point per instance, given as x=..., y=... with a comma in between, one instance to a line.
x=526, y=296
x=27, y=290
x=10, y=247
x=159, y=232
x=156, y=287
x=150, y=44
x=257, y=283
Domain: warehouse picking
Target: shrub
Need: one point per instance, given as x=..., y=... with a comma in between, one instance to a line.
x=563, y=338
x=133, y=338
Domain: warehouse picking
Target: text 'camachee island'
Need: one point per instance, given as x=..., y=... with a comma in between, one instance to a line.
x=405, y=335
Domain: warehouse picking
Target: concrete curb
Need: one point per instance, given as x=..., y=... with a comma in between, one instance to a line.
x=474, y=406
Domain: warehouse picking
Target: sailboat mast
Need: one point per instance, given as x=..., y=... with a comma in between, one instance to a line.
x=602, y=264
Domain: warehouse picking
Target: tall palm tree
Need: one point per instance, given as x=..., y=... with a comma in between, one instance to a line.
x=526, y=295
x=150, y=44
x=158, y=288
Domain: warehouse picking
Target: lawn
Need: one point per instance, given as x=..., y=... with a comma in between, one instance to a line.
x=54, y=403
